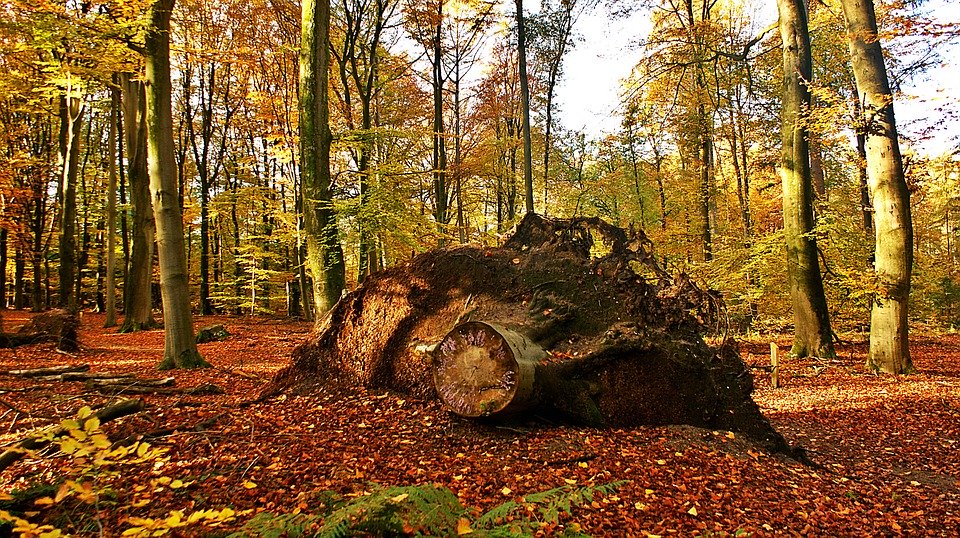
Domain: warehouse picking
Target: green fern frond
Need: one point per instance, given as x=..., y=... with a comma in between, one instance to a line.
x=268, y=525
x=424, y=510
x=550, y=504
x=495, y=515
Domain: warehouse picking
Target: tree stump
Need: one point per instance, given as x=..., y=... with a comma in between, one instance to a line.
x=212, y=333
x=483, y=369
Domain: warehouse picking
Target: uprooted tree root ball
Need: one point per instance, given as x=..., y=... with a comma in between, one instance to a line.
x=622, y=335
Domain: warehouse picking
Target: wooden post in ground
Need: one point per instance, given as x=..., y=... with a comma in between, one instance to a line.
x=774, y=365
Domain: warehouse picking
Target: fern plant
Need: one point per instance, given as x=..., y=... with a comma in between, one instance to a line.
x=426, y=510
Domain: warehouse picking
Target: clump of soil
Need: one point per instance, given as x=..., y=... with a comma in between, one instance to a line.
x=59, y=325
x=623, y=334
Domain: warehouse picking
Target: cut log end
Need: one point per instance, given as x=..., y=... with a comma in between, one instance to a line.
x=482, y=369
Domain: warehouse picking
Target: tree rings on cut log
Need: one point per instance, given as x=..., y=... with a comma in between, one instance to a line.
x=481, y=369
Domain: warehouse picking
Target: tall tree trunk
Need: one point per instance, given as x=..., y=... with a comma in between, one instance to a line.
x=358, y=59
x=19, y=278
x=3, y=268
x=458, y=154
x=201, y=159
x=71, y=120
x=741, y=164
x=661, y=188
x=866, y=209
x=111, y=269
x=237, y=266
x=367, y=247
x=812, y=334
x=512, y=136
x=137, y=300
x=179, y=345
x=889, y=344
x=705, y=152
x=817, y=174
x=548, y=135
x=208, y=155
x=324, y=253
x=122, y=192
x=441, y=213
x=39, y=219
x=525, y=109
x=86, y=239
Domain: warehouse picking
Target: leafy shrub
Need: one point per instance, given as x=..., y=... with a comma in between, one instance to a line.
x=94, y=462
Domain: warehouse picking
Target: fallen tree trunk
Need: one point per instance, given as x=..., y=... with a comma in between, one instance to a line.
x=40, y=439
x=50, y=371
x=206, y=389
x=58, y=325
x=614, y=339
x=483, y=369
x=128, y=383
x=87, y=376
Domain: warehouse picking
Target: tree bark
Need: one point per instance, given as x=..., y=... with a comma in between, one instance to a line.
x=19, y=278
x=179, y=346
x=324, y=253
x=441, y=198
x=893, y=226
x=866, y=209
x=812, y=334
x=111, y=270
x=3, y=268
x=71, y=121
x=525, y=109
x=137, y=307
x=37, y=255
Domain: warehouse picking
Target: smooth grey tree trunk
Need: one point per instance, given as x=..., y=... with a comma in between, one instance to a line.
x=892, y=221
x=111, y=284
x=440, y=188
x=324, y=253
x=137, y=300
x=179, y=345
x=71, y=121
x=812, y=334
x=525, y=109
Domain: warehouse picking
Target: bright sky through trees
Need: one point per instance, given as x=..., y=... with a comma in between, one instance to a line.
x=589, y=94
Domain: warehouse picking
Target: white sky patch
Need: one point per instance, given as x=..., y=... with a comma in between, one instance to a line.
x=588, y=95
x=931, y=102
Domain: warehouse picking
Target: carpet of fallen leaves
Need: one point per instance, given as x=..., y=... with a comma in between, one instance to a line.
x=886, y=449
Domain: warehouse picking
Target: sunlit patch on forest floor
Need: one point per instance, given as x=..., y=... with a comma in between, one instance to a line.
x=886, y=449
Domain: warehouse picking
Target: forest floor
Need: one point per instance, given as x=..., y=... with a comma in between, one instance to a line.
x=885, y=449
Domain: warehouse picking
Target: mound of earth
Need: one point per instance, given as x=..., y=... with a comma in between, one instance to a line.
x=622, y=337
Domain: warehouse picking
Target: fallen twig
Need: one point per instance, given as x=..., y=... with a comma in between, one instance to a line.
x=31, y=388
x=207, y=389
x=87, y=376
